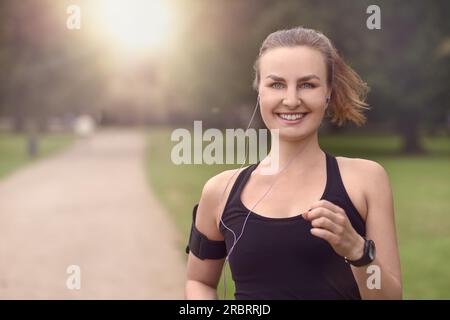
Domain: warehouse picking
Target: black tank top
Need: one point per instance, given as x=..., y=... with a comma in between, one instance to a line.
x=278, y=258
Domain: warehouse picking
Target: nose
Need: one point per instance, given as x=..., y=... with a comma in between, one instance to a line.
x=291, y=99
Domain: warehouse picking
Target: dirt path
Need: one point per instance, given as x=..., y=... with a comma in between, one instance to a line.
x=89, y=206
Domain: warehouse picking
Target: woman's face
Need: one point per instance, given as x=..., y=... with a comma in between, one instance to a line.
x=293, y=81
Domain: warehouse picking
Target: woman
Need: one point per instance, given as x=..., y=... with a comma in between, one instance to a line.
x=309, y=230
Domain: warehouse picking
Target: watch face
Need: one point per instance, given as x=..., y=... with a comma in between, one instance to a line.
x=372, y=250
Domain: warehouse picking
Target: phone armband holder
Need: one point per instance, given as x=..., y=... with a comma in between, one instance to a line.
x=201, y=246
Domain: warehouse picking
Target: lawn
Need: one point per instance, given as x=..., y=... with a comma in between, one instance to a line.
x=421, y=198
x=13, y=149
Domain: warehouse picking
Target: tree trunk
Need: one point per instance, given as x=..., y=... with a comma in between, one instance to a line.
x=19, y=120
x=409, y=129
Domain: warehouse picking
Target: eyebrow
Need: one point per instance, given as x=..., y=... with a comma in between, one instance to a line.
x=305, y=78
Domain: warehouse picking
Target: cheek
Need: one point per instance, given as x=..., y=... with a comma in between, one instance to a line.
x=267, y=107
x=313, y=98
x=266, y=112
x=268, y=102
x=270, y=97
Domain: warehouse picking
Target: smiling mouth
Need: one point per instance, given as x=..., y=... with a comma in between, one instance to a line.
x=292, y=116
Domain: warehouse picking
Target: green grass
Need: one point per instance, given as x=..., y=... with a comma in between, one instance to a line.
x=13, y=149
x=421, y=199
x=179, y=187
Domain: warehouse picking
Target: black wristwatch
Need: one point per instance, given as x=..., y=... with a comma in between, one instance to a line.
x=368, y=256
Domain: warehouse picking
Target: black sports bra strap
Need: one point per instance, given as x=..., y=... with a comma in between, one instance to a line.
x=239, y=183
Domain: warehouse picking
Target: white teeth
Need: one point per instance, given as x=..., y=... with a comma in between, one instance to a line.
x=291, y=116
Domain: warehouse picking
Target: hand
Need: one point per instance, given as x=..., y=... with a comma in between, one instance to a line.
x=330, y=222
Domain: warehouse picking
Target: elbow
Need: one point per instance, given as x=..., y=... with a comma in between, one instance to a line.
x=391, y=290
x=399, y=290
x=395, y=291
x=196, y=290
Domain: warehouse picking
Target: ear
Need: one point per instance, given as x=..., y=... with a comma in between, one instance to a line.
x=329, y=92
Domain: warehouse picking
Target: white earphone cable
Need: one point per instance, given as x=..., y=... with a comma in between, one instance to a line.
x=236, y=239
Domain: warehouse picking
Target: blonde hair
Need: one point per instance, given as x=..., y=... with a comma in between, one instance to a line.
x=348, y=90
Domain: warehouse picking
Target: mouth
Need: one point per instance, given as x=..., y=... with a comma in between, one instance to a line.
x=292, y=118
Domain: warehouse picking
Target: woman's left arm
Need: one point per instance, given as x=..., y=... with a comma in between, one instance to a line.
x=331, y=224
x=380, y=227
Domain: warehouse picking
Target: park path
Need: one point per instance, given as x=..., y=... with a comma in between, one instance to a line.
x=89, y=206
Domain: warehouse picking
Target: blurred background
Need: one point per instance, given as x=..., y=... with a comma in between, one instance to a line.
x=87, y=111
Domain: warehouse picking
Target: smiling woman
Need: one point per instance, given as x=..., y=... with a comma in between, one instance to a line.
x=134, y=25
x=318, y=216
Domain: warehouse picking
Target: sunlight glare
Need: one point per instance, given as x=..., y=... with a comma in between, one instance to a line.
x=136, y=24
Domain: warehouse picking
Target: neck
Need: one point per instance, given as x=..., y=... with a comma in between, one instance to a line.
x=296, y=155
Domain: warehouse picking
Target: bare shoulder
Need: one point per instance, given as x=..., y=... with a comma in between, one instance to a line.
x=212, y=202
x=370, y=169
x=219, y=186
x=377, y=179
x=370, y=166
x=363, y=179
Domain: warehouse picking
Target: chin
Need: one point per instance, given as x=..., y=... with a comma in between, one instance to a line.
x=292, y=134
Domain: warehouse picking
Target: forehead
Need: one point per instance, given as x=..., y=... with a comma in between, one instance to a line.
x=292, y=62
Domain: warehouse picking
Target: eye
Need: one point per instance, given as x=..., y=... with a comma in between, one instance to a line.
x=308, y=85
x=277, y=85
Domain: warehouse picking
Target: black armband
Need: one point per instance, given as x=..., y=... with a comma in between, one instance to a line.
x=201, y=246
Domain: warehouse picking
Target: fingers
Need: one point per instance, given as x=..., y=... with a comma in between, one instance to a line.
x=323, y=217
x=328, y=205
x=330, y=223
x=327, y=224
x=324, y=212
x=325, y=235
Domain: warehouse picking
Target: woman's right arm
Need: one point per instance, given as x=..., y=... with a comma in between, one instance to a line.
x=203, y=276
